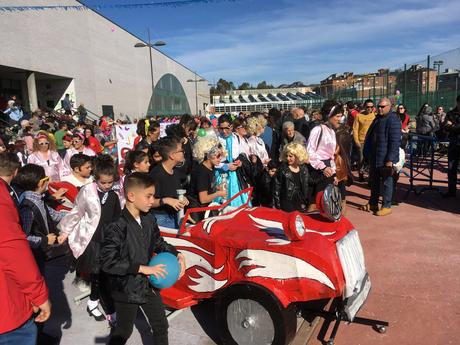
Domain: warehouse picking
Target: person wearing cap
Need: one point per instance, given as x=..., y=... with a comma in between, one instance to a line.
x=45, y=155
x=78, y=146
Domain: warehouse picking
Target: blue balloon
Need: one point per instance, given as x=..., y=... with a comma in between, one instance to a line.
x=172, y=268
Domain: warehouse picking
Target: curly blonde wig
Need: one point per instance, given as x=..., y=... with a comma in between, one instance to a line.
x=204, y=146
x=253, y=126
x=297, y=150
x=262, y=121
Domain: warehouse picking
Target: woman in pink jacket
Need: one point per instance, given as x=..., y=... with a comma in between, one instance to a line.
x=45, y=154
x=321, y=148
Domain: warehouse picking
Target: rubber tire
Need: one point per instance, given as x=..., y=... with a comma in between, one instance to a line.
x=284, y=319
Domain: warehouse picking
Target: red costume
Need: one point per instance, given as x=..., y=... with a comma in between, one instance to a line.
x=21, y=284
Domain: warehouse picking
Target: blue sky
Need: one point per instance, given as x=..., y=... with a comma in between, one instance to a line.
x=287, y=40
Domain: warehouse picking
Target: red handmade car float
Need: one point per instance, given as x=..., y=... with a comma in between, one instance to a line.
x=259, y=263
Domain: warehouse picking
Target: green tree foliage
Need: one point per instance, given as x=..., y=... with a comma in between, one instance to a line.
x=244, y=86
x=223, y=86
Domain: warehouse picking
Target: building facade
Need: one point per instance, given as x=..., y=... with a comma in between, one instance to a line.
x=46, y=54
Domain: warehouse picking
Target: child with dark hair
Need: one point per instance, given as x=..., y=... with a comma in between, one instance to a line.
x=128, y=246
x=96, y=206
x=81, y=170
x=38, y=219
x=168, y=182
x=136, y=161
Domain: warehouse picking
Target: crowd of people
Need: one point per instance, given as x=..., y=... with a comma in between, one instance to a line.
x=66, y=193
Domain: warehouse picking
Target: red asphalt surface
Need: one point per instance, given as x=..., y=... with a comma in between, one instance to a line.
x=413, y=260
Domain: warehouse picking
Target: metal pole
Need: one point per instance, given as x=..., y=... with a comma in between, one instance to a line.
x=427, y=81
x=388, y=83
x=405, y=84
x=456, y=86
x=437, y=84
x=373, y=91
x=152, y=99
x=196, y=96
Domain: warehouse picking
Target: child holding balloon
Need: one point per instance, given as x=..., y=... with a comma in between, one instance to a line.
x=128, y=245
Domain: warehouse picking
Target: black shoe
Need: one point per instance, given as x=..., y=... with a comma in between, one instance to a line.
x=449, y=195
x=394, y=203
x=97, y=318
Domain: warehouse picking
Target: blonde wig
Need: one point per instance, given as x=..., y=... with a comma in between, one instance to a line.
x=253, y=126
x=206, y=146
x=262, y=121
x=297, y=150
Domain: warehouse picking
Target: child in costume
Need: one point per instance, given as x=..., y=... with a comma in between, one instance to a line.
x=96, y=206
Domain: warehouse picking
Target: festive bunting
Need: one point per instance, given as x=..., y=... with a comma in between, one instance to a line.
x=176, y=3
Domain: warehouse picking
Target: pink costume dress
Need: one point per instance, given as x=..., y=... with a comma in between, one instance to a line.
x=53, y=166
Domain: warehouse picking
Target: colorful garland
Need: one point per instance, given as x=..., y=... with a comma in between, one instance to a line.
x=175, y=3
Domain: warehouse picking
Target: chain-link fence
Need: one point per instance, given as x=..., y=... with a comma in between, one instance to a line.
x=434, y=80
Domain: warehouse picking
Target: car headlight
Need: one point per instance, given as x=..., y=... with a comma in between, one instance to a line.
x=329, y=203
x=296, y=229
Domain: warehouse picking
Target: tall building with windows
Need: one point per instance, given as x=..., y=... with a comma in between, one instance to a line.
x=46, y=54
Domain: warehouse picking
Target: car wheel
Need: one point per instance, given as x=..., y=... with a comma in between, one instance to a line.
x=249, y=314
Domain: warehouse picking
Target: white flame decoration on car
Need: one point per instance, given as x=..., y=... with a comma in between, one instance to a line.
x=279, y=266
x=271, y=224
x=205, y=282
x=277, y=242
x=209, y=222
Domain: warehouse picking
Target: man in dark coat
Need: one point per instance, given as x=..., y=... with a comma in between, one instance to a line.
x=381, y=148
x=452, y=127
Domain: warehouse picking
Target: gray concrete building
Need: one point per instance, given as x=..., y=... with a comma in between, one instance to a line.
x=46, y=54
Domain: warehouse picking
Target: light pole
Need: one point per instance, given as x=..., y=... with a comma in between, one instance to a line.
x=438, y=64
x=150, y=45
x=196, y=81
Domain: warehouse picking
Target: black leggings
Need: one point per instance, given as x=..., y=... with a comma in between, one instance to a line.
x=126, y=315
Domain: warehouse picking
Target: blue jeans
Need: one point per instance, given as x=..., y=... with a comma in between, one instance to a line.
x=377, y=176
x=24, y=335
x=167, y=220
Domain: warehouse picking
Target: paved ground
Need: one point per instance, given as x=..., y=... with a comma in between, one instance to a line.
x=413, y=260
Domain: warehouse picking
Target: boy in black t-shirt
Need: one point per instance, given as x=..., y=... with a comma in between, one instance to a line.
x=203, y=186
x=167, y=183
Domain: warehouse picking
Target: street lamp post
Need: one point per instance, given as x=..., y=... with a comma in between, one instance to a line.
x=196, y=81
x=438, y=64
x=150, y=46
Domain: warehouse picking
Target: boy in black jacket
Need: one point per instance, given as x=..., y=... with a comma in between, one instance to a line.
x=128, y=246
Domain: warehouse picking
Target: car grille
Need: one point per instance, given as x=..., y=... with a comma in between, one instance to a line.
x=357, y=282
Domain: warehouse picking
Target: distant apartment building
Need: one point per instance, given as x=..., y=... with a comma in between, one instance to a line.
x=417, y=79
x=449, y=80
x=366, y=85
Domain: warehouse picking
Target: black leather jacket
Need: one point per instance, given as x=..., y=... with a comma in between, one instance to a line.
x=126, y=246
x=454, y=128
x=284, y=185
